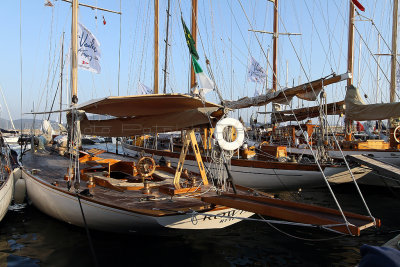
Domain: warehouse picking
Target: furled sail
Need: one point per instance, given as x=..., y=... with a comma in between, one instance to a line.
x=307, y=91
x=336, y=108
x=356, y=109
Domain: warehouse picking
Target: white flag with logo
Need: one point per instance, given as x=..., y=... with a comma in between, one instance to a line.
x=255, y=72
x=88, y=50
x=143, y=89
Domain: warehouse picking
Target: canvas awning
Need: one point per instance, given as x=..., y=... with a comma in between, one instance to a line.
x=175, y=121
x=356, y=109
x=143, y=105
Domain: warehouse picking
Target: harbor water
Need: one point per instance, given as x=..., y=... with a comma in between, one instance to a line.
x=31, y=238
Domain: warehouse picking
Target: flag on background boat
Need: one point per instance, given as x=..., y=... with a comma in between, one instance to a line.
x=88, y=50
x=255, y=72
x=360, y=127
x=204, y=82
x=143, y=89
x=357, y=4
x=189, y=40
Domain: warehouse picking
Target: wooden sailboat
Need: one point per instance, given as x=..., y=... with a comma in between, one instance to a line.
x=382, y=153
x=112, y=194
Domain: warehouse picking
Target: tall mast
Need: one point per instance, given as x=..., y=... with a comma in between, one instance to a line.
x=350, y=62
x=166, y=50
x=275, y=48
x=350, y=51
x=61, y=75
x=155, y=46
x=194, y=35
x=394, y=53
x=74, y=45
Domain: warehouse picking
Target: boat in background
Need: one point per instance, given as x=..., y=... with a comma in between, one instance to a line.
x=271, y=170
x=7, y=177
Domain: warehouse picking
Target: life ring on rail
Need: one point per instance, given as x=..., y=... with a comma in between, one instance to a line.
x=219, y=133
x=396, y=134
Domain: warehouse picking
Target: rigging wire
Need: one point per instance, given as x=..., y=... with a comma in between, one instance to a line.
x=20, y=61
x=347, y=164
x=119, y=46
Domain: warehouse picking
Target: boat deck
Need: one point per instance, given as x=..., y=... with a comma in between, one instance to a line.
x=117, y=193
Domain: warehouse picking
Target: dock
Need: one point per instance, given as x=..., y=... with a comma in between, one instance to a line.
x=380, y=167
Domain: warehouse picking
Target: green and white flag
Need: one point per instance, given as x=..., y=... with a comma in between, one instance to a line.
x=189, y=40
x=204, y=82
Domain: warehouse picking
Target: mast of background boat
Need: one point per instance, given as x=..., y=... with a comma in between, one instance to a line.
x=166, y=50
x=350, y=64
x=392, y=124
x=194, y=36
x=275, y=48
x=394, y=53
x=9, y=114
x=61, y=78
x=266, y=86
x=155, y=46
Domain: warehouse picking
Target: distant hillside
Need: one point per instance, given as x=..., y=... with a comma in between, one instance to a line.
x=26, y=124
x=5, y=124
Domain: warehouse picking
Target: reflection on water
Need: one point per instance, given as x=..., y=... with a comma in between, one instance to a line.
x=30, y=238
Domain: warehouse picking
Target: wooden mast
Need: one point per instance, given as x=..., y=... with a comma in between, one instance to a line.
x=275, y=48
x=74, y=45
x=155, y=46
x=350, y=62
x=392, y=124
x=194, y=36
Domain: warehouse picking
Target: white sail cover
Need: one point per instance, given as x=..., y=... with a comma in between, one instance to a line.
x=356, y=109
x=307, y=91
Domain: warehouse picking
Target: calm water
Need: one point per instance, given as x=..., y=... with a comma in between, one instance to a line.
x=30, y=238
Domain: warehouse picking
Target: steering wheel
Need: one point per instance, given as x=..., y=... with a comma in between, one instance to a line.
x=396, y=134
x=146, y=166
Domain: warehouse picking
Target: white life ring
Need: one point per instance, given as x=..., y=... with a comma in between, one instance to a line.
x=219, y=134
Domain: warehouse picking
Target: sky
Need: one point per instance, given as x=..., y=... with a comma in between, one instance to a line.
x=32, y=33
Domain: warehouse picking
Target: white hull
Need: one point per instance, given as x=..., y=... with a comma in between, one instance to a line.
x=65, y=207
x=392, y=157
x=271, y=179
x=11, y=139
x=6, y=194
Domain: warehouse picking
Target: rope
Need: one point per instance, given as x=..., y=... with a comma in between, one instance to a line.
x=87, y=232
x=297, y=237
x=270, y=222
